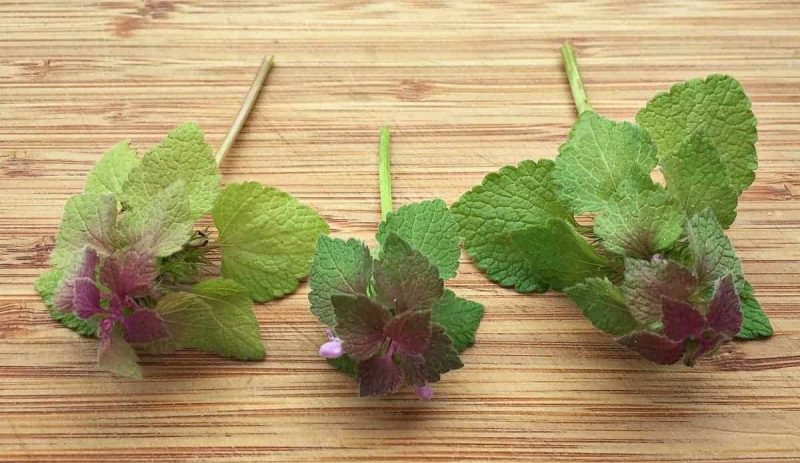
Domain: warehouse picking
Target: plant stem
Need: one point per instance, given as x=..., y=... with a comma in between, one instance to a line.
x=575, y=82
x=244, y=111
x=384, y=174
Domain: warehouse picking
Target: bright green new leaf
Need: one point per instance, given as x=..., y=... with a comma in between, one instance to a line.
x=404, y=278
x=430, y=228
x=697, y=178
x=717, y=103
x=640, y=224
x=161, y=226
x=267, y=238
x=111, y=172
x=755, y=323
x=216, y=316
x=183, y=155
x=339, y=268
x=459, y=318
x=603, y=304
x=557, y=256
x=89, y=219
x=599, y=157
x=511, y=199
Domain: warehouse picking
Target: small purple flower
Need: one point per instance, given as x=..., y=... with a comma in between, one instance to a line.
x=424, y=392
x=333, y=348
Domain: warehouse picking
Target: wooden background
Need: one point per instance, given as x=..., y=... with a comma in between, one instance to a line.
x=467, y=87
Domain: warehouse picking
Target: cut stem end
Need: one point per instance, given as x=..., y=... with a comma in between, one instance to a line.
x=244, y=111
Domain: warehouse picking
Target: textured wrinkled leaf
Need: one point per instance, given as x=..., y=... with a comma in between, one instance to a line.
x=653, y=347
x=46, y=286
x=648, y=281
x=360, y=323
x=599, y=157
x=182, y=156
x=431, y=229
x=459, y=318
x=111, y=172
x=89, y=220
x=410, y=331
x=697, y=178
x=161, y=226
x=440, y=355
x=511, y=199
x=129, y=273
x=604, y=305
x=681, y=320
x=118, y=357
x=339, y=268
x=755, y=323
x=144, y=326
x=724, y=313
x=404, y=278
x=378, y=376
x=557, y=256
x=717, y=103
x=640, y=223
x=216, y=316
x=83, y=267
x=85, y=298
x=712, y=252
x=266, y=237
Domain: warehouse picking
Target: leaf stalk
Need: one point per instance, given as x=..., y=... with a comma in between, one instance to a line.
x=244, y=111
x=384, y=173
x=575, y=81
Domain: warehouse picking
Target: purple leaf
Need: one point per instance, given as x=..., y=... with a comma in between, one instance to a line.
x=86, y=298
x=143, y=326
x=653, y=347
x=646, y=282
x=414, y=368
x=129, y=273
x=360, y=323
x=681, y=320
x=440, y=355
x=404, y=278
x=378, y=375
x=85, y=268
x=410, y=332
x=724, y=311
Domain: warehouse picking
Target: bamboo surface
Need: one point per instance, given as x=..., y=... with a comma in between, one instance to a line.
x=467, y=87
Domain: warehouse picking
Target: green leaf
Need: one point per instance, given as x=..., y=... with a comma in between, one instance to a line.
x=119, y=357
x=440, y=355
x=696, y=176
x=755, y=323
x=603, y=304
x=511, y=199
x=712, y=253
x=345, y=364
x=404, y=278
x=339, y=268
x=599, y=157
x=717, y=103
x=161, y=226
x=182, y=156
x=110, y=172
x=216, y=316
x=267, y=238
x=557, y=256
x=46, y=286
x=459, y=318
x=639, y=224
x=89, y=219
x=430, y=228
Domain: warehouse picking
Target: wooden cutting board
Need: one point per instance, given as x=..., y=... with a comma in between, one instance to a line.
x=467, y=87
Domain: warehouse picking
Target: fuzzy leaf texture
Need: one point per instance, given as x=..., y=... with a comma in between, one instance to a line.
x=267, y=238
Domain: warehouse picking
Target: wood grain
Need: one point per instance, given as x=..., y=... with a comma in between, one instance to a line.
x=467, y=87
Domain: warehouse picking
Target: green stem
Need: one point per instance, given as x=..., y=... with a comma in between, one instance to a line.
x=575, y=82
x=244, y=111
x=384, y=174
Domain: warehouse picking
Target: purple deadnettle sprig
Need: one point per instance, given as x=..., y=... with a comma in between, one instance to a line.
x=648, y=263
x=391, y=322
x=130, y=268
